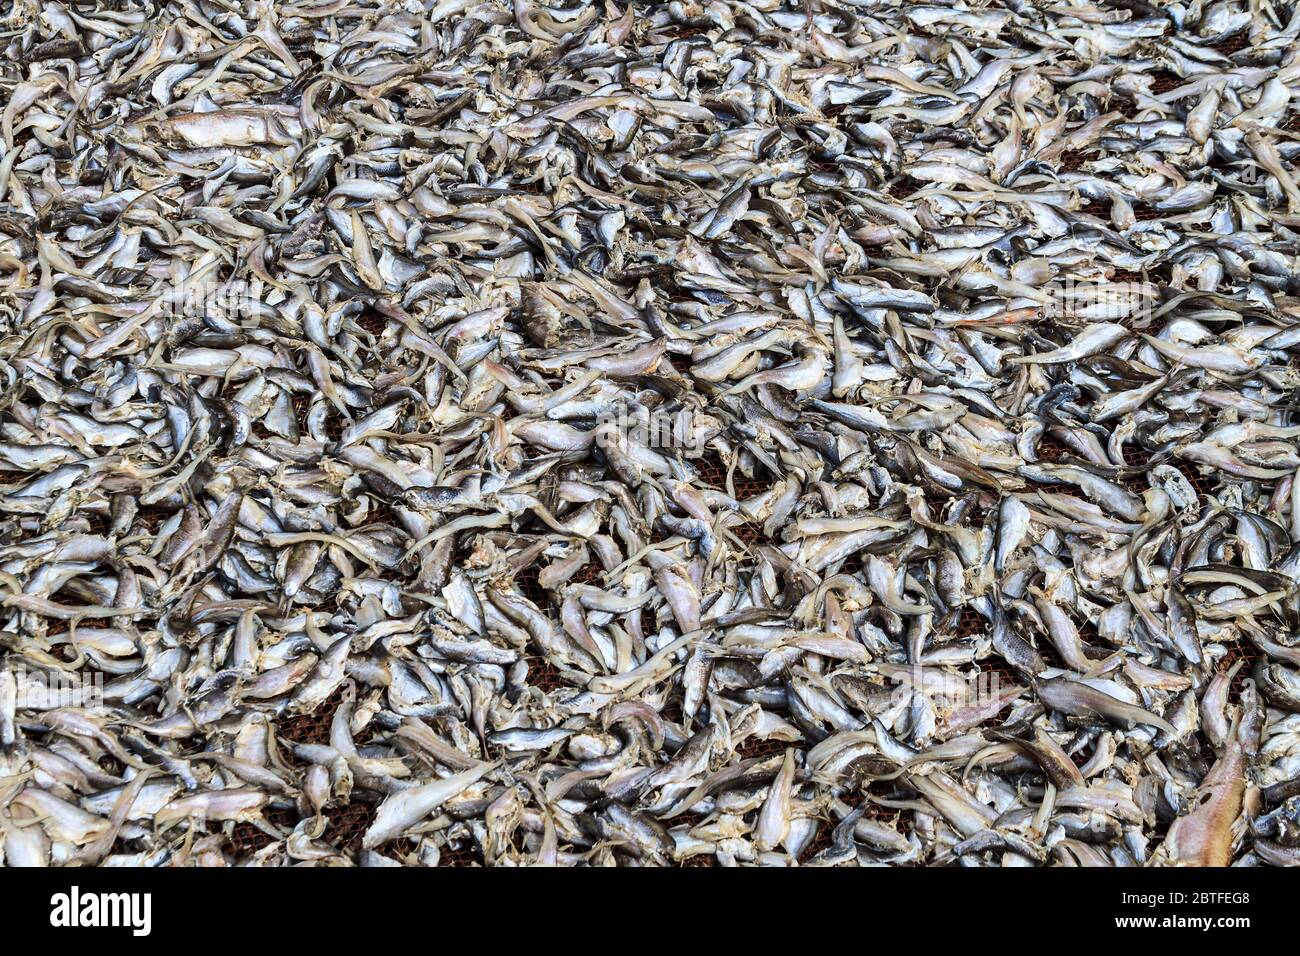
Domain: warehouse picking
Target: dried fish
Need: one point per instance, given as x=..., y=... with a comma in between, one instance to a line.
x=597, y=434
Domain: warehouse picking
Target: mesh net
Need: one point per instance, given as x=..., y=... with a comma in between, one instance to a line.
x=1074, y=159
x=1233, y=44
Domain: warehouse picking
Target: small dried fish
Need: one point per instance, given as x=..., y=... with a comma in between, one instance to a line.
x=738, y=433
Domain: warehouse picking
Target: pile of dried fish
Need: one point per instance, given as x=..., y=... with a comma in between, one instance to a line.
x=829, y=432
